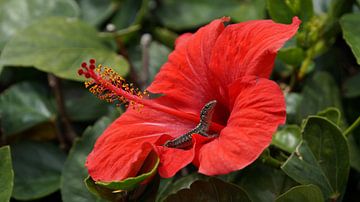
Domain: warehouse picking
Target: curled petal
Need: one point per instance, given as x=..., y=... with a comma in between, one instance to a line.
x=258, y=107
x=249, y=48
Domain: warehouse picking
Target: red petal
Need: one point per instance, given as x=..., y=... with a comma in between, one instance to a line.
x=185, y=78
x=120, y=151
x=249, y=48
x=258, y=109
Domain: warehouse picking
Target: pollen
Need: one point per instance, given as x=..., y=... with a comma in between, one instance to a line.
x=108, y=85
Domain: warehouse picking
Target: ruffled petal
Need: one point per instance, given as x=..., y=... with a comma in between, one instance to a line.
x=120, y=151
x=249, y=48
x=258, y=107
x=184, y=79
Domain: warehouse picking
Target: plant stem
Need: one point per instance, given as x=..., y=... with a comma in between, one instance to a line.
x=145, y=44
x=267, y=159
x=68, y=135
x=352, y=127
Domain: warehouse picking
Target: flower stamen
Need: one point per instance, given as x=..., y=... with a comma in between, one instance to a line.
x=110, y=86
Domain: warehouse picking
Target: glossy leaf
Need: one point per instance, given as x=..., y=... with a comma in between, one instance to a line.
x=96, y=11
x=319, y=93
x=37, y=168
x=283, y=11
x=25, y=105
x=264, y=183
x=304, y=193
x=173, y=186
x=188, y=14
x=212, y=190
x=287, y=138
x=131, y=182
x=60, y=48
x=7, y=174
x=351, y=86
x=105, y=193
x=321, y=159
x=18, y=14
x=130, y=12
x=74, y=172
x=351, y=31
x=81, y=105
x=332, y=114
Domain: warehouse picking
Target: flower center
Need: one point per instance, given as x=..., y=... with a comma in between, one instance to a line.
x=185, y=140
x=110, y=86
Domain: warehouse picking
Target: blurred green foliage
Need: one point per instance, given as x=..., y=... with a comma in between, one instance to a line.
x=49, y=122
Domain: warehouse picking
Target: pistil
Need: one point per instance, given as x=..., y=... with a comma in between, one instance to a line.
x=110, y=86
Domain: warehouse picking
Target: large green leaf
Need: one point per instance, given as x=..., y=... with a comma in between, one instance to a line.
x=287, y=138
x=59, y=45
x=303, y=193
x=212, y=190
x=190, y=14
x=130, y=12
x=264, y=183
x=319, y=93
x=321, y=159
x=37, y=168
x=7, y=174
x=23, y=106
x=96, y=11
x=81, y=105
x=170, y=186
x=17, y=14
x=74, y=172
x=351, y=32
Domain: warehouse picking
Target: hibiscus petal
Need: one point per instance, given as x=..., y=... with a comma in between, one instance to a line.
x=185, y=78
x=249, y=48
x=258, y=107
x=120, y=151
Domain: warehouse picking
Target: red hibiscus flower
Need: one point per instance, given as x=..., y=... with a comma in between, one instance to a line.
x=227, y=65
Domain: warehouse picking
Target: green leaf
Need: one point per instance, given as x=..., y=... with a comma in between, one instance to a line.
x=18, y=14
x=59, y=45
x=72, y=185
x=287, y=138
x=96, y=11
x=104, y=192
x=351, y=32
x=351, y=86
x=172, y=186
x=189, y=14
x=283, y=11
x=264, y=183
x=292, y=55
x=81, y=105
x=354, y=149
x=332, y=114
x=24, y=105
x=304, y=193
x=37, y=168
x=7, y=174
x=130, y=13
x=321, y=159
x=131, y=182
x=319, y=93
x=212, y=190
